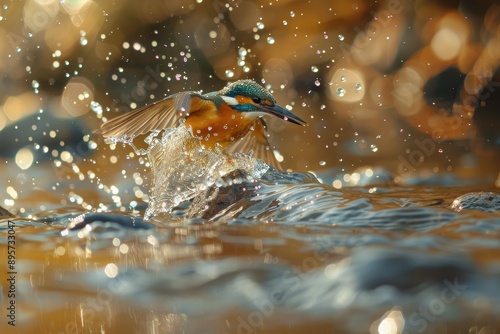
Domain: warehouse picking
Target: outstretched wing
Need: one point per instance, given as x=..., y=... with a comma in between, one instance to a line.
x=256, y=141
x=157, y=116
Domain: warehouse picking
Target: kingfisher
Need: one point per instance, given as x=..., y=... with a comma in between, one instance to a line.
x=230, y=119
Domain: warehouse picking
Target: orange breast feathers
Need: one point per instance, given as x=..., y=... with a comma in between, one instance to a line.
x=222, y=127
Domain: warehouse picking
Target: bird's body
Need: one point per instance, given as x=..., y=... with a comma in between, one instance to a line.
x=221, y=127
x=230, y=119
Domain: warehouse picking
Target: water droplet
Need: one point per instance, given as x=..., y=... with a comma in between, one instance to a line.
x=136, y=46
x=242, y=52
x=322, y=163
x=292, y=14
x=373, y=148
x=229, y=73
x=358, y=87
x=340, y=92
x=260, y=25
x=96, y=107
x=285, y=23
x=314, y=69
x=343, y=79
x=341, y=37
x=317, y=83
x=270, y=40
x=35, y=86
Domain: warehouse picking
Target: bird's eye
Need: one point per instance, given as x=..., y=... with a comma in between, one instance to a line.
x=256, y=99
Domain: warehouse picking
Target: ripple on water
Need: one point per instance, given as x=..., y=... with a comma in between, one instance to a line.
x=365, y=284
x=343, y=257
x=295, y=198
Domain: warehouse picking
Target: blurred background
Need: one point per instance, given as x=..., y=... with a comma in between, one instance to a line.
x=410, y=86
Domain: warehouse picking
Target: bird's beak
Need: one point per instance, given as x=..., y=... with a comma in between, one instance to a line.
x=282, y=113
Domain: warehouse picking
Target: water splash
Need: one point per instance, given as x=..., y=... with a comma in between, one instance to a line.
x=182, y=167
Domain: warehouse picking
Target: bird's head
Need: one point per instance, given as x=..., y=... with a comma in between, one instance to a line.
x=251, y=99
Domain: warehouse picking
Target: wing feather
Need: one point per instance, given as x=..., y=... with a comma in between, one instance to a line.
x=156, y=116
x=256, y=141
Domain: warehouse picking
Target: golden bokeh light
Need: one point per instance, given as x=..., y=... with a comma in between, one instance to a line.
x=24, y=158
x=77, y=95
